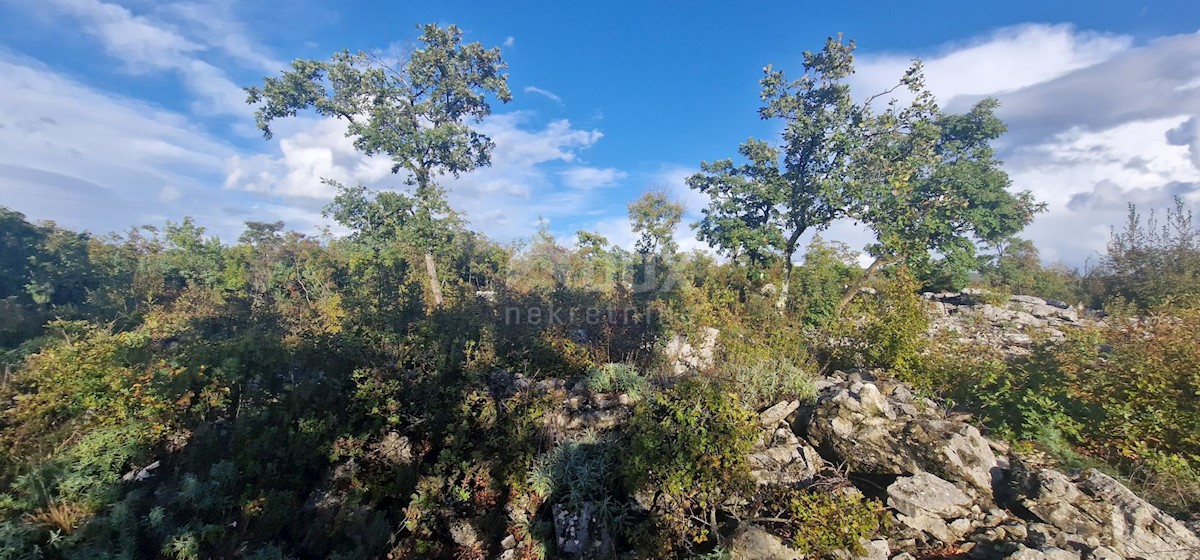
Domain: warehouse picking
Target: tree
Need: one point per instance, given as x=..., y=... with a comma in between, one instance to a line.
x=927, y=182
x=19, y=242
x=764, y=206
x=654, y=217
x=415, y=110
x=1152, y=262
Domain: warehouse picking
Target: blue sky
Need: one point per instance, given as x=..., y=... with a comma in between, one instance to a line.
x=123, y=112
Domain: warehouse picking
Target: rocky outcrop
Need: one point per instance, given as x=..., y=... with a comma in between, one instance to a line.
x=947, y=487
x=1100, y=512
x=686, y=355
x=1011, y=325
x=856, y=425
x=951, y=491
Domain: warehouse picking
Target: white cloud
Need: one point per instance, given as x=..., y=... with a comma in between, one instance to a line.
x=1095, y=122
x=586, y=178
x=547, y=94
x=95, y=161
x=144, y=44
x=509, y=41
x=212, y=24
x=1187, y=135
x=1007, y=59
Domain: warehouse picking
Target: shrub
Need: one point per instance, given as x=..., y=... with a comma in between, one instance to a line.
x=689, y=447
x=617, y=378
x=1150, y=263
x=821, y=523
x=881, y=330
x=764, y=382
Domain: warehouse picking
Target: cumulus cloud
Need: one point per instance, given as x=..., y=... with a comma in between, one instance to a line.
x=1188, y=135
x=533, y=171
x=1095, y=122
x=1004, y=60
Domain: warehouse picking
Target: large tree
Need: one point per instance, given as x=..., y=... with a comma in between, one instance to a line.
x=415, y=109
x=929, y=182
x=762, y=207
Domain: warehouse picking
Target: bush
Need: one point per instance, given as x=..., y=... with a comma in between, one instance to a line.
x=1123, y=394
x=883, y=330
x=689, y=447
x=617, y=378
x=821, y=523
x=1150, y=263
x=764, y=382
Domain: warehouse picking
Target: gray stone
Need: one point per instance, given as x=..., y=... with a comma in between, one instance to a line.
x=1101, y=510
x=928, y=494
x=787, y=464
x=753, y=543
x=582, y=533
x=1051, y=553
x=860, y=429
x=771, y=417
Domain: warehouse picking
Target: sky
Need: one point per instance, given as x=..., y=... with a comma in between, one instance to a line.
x=115, y=113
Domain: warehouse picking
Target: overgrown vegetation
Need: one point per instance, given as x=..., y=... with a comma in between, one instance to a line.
x=395, y=392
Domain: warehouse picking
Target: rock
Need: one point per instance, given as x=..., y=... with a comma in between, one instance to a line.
x=753, y=543
x=855, y=425
x=788, y=464
x=937, y=528
x=877, y=549
x=925, y=493
x=463, y=533
x=509, y=542
x=871, y=550
x=685, y=357
x=1103, y=553
x=582, y=533
x=1100, y=510
x=771, y=417
x=1051, y=553
x=394, y=449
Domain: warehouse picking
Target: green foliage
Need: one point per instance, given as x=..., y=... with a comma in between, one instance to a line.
x=583, y=471
x=1121, y=394
x=767, y=381
x=828, y=267
x=689, y=447
x=1152, y=263
x=618, y=378
x=822, y=523
x=883, y=330
x=1016, y=267
x=761, y=208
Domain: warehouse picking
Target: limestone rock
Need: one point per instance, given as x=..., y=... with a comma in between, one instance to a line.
x=857, y=426
x=771, y=417
x=926, y=494
x=753, y=543
x=1099, y=509
x=787, y=464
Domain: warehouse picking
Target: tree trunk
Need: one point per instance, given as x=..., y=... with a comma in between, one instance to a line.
x=786, y=287
x=435, y=287
x=852, y=291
